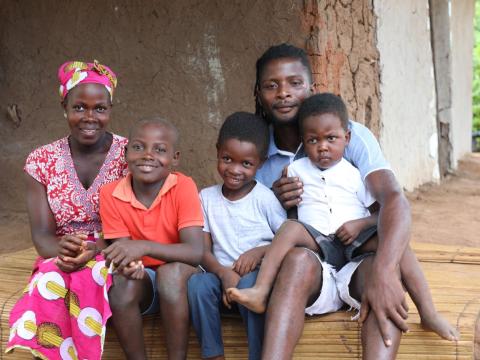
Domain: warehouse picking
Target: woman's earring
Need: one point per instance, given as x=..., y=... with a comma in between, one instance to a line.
x=65, y=114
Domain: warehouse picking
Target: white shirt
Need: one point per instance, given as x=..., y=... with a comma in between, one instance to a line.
x=363, y=152
x=330, y=197
x=240, y=225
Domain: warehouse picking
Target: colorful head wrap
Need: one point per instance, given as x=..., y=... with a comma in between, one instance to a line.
x=73, y=73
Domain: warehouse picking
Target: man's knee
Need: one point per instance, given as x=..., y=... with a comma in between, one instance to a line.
x=301, y=261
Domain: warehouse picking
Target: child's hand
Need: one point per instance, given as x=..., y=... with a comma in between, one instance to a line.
x=349, y=231
x=122, y=252
x=248, y=261
x=135, y=270
x=229, y=279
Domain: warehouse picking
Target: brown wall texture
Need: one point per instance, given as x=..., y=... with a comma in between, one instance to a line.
x=192, y=62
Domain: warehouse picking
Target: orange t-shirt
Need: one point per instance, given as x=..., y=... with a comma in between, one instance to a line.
x=176, y=206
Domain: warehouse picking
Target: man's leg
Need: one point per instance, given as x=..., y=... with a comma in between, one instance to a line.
x=204, y=300
x=172, y=290
x=417, y=286
x=127, y=300
x=298, y=284
x=372, y=341
x=254, y=323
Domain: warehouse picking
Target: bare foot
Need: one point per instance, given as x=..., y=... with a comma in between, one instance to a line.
x=252, y=298
x=438, y=324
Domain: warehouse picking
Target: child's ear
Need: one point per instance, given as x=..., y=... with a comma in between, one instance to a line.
x=347, y=136
x=176, y=158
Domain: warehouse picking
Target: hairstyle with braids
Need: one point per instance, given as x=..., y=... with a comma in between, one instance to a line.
x=273, y=53
x=247, y=127
x=325, y=103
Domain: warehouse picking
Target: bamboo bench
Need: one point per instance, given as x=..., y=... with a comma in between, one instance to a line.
x=452, y=272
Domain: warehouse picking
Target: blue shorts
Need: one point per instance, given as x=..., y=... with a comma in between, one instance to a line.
x=154, y=306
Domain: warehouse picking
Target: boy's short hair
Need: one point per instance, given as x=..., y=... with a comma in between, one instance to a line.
x=155, y=120
x=325, y=103
x=281, y=51
x=248, y=127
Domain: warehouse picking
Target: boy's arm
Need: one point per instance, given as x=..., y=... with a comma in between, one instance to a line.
x=227, y=276
x=348, y=232
x=189, y=250
x=209, y=261
x=249, y=260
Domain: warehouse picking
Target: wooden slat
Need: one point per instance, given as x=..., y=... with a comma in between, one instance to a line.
x=453, y=274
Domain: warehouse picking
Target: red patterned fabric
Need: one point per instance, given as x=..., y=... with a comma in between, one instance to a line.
x=63, y=316
x=75, y=208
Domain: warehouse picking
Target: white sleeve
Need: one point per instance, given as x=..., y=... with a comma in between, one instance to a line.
x=275, y=213
x=204, y=202
x=365, y=196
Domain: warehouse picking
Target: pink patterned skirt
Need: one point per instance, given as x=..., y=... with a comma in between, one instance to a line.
x=62, y=315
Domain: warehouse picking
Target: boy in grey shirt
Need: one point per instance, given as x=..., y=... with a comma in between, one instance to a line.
x=241, y=218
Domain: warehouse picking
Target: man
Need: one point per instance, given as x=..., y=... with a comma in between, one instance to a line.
x=283, y=81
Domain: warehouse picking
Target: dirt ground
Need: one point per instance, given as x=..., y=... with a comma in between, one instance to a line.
x=448, y=213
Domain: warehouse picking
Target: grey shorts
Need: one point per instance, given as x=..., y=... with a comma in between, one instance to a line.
x=154, y=306
x=333, y=252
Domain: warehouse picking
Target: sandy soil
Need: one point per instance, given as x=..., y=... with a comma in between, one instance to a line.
x=445, y=214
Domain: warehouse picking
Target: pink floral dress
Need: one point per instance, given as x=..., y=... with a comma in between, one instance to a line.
x=63, y=315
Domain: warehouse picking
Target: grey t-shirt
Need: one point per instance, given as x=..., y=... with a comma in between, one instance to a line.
x=240, y=225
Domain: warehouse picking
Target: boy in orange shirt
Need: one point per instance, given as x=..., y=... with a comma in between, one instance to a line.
x=154, y=215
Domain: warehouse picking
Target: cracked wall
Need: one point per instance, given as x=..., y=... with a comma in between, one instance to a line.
x=191, y=62
x=342, y=45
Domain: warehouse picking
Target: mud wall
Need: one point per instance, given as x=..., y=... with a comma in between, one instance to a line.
x=191, y=62
x=461, y=25
x=341, y=40
x=409, y=132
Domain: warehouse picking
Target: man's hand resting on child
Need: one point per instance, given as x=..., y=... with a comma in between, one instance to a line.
x=288, y=190
x=249, y=260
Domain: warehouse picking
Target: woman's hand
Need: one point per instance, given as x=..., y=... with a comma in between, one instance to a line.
x=135, y=270
x=71, y=245
x=86, y=250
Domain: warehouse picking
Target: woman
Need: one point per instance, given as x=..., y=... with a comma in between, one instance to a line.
x=64, y=309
